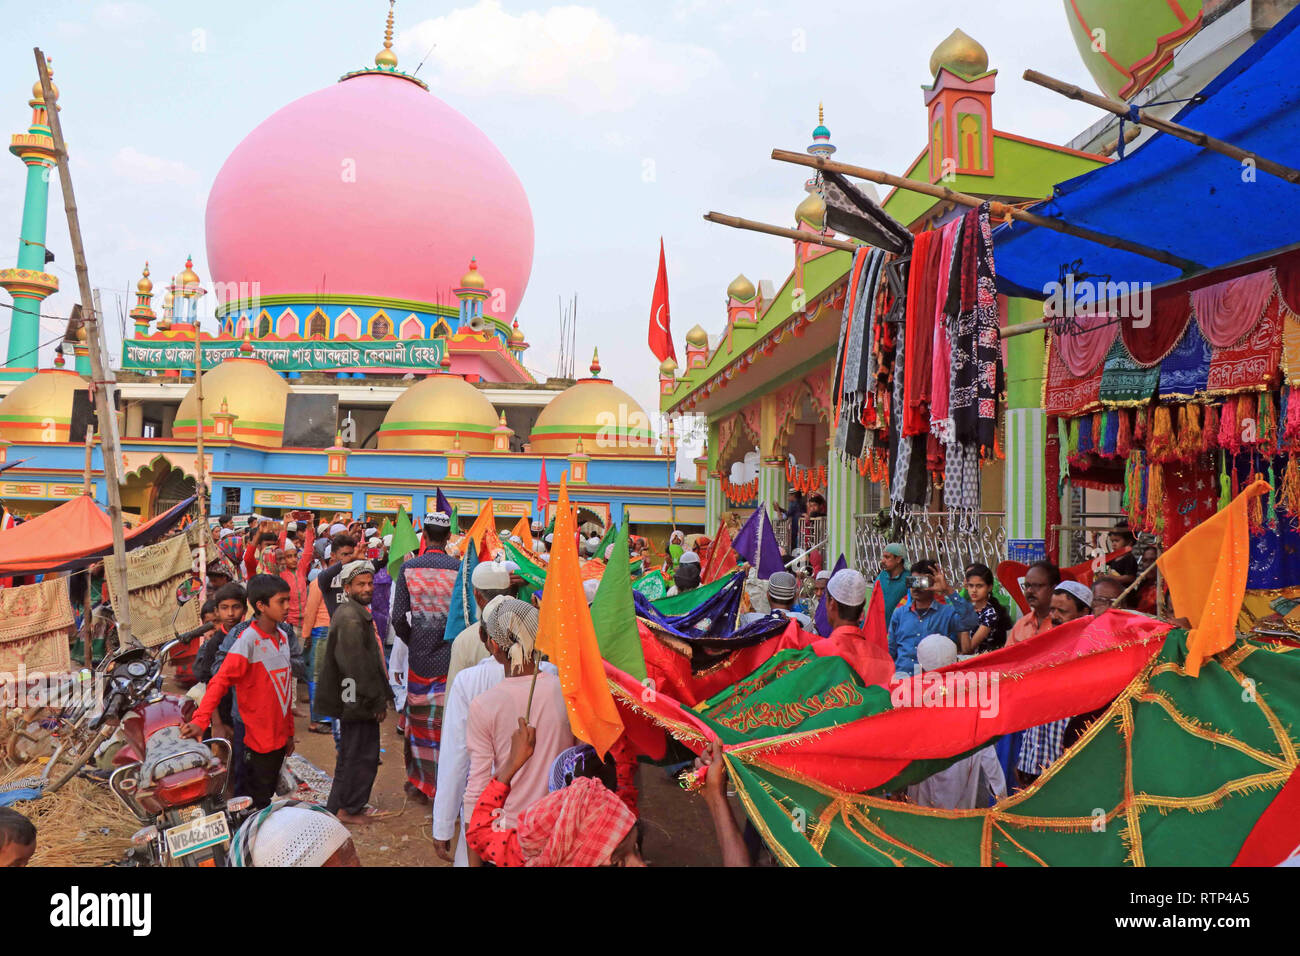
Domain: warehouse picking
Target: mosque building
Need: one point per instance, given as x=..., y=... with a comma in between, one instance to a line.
x=359, y=337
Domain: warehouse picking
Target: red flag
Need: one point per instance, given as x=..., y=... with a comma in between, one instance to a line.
x=721, y=559
x=543, y=495
x=661, y=337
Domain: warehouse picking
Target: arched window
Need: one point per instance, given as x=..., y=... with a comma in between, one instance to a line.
x=412, y=328
x=347, y=326
x=318, y=325
x=287, y=324
x=441, y=330
x=264, y=326
x=380, y=327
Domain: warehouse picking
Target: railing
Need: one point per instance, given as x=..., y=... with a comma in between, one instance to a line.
x=1086, y=538
x=935, y=535
x=811, y=536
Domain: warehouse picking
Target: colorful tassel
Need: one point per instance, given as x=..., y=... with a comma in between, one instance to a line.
x=1084, y=441
x=1289, y=494
x=1140, y=424
x=1267, y=428
x=1291, y=434
x=1210, y=428
x=1270, y=511
x=1123, y=433
x=1189, y=432
x=1156, y=499
x=1161, y=442
x=1255, y=512
x=1229, y=432
x=1225, y=486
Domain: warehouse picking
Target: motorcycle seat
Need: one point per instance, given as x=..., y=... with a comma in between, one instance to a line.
x=167, y=752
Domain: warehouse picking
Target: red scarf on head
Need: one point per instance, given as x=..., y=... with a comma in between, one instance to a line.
x=577, y=826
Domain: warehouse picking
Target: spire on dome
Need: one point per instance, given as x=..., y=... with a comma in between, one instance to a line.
x=386, y=58
x=595, y=363
x=821, y=146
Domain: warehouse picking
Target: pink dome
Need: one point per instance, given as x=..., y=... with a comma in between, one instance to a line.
x=371, y=186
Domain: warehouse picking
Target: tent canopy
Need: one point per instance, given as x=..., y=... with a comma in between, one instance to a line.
x=1170, y=194
x=73, y=535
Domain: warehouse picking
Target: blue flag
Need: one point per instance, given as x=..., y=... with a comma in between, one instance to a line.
x=756, y=544
x=822, y=621
x=463, y=609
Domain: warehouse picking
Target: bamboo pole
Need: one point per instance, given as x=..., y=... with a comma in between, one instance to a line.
x=86, y=630
x=736, y=222
x=999, y=209
x=200, y=469
x=1196, y=137
x=103, y=382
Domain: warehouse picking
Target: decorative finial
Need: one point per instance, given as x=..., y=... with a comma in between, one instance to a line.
x=455, y=442
x=503, y=418
x=386, y=58
x=579, y=448
x=595, y=362
x=59, y=360
x=821, y=114
x=246, y=347
x=225, y=406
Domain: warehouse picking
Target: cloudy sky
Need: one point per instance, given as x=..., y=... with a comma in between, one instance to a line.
x=625, y=121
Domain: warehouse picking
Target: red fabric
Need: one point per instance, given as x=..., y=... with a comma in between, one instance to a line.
x=918, y=349
x=496, y=846
x=661, y=336
x=1253, y=362
x=866, y=654
x=1171, y=311
x=1276, y=834
x=1083, y=351
x=1068, y=670
x=1068, y=395
x=74, y=530
x=543, y=494
x=258, y=668
x=1191, y=497
x=721, y=558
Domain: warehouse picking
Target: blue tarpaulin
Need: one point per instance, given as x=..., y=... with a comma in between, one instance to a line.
x=1172, y=195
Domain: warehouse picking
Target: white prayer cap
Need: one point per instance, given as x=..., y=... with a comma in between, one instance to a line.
x=515, y=539
x=490, y=576
x=589, y=588
x=337, y=529
x=289, y=546
x=291, y=526
x=226, y=531
x=594, y=540
x=1080, y=591
x=935, y=651
x=353, y=568
x=510, y=566
x=296, y=836
x=782, y=586
x=437, y=519
x=848, y=587
x=550, y=539
x=388, y=540
x=689, y=557
x=824, y=575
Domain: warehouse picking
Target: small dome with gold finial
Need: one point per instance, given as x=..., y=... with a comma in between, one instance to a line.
x=38, y=94
x=516, y=333
x=145, y=285
x=961, y=54
x=697, y=336
x=592, y=415
x=428, y=416
x=473, y=279
x=741, y=288
x=812, y=211
x=189, y=279
x=386, y=58
x=668, y=366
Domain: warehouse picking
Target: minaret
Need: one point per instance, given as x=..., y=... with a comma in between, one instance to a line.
x=472, y=293
x=29, y=283
x=821, y=146
x=186, y=290
x=143, y=314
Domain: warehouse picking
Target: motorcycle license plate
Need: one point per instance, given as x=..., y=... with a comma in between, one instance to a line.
x=197, y=834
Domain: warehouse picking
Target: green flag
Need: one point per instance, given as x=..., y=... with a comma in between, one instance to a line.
x=404, y=542
x=386, y=528
x=614, y=615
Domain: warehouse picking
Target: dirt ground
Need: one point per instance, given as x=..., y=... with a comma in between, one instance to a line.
x=677, y=828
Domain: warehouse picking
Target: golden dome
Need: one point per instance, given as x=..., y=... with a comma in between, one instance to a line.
x=39, y=409
x=593, y=413
x=38, y=94
x=697, y=336
x=668, y=366
x=430, y=414
x=254, y=393
x=80, y=334
x=741, y=288
x=961, y=54
x=516, y=333
x=145, y=285
x=189, y=277
x=473, y=279
x=812, y=211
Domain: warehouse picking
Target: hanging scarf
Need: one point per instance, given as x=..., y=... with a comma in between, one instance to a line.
x=977, y=374
x=849, y=361
x=940, y=378
x=918, y=330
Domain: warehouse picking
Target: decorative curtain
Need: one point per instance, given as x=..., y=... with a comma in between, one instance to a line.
x=1069, y=395
x=1083, y=350
x=1227, y=311
x=1170, y=314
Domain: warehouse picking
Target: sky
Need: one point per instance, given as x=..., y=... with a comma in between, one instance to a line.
x=626, y=122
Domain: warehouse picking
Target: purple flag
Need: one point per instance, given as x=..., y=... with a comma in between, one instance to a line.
x=756, y=544
x=443, y=504
x=823, y=622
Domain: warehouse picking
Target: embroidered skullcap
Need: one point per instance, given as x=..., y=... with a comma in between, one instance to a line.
x=512, y=626
x=824, y=575
x=1075, y=589
x=292, y=835
x=935, y=651
x=848, y=587
x=689, y=557
x=490, y=576
x=782, y=586
x=437, y=519
x=353, y=568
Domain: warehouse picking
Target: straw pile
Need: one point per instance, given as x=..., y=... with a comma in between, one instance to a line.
x=81, y=824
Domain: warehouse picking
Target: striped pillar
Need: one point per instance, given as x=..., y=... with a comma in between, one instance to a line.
x=771, y=484
x=713, y=503
x=847, y=495
x=1026, y=480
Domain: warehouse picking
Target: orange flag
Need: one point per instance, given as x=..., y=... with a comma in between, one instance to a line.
x=486, y=521
x=525, y=534
x=1209, y=593
x=565, y=634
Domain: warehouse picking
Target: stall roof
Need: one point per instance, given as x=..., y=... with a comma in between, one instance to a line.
x=73, y=535
x=1170, y=194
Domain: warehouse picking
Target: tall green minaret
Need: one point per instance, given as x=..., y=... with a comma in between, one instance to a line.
x=29, y=283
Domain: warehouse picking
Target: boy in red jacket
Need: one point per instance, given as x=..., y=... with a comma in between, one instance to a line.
x=259, y=669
